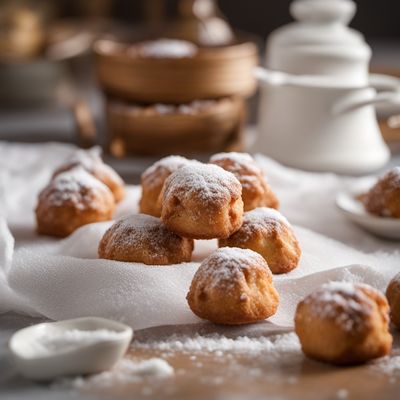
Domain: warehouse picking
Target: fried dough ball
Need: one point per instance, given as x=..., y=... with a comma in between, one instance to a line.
x=256, y=192
x=91, y=161
x=384, y=197
x=153, y=181
x=268, y=232
x=393, y=296
x=202, y=201
x=344, y=323
x=144, y=239
x=233, y=287
x=73, y=199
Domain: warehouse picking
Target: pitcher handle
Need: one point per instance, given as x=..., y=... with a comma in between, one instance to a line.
x=383, y=98
x=382, y=82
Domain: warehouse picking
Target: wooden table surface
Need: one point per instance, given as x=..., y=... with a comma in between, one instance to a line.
x=286, y=375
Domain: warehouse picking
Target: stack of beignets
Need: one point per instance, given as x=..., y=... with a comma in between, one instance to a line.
x=207, y=201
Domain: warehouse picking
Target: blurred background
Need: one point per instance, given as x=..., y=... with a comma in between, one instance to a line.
x=377, y=19
x=49, y=87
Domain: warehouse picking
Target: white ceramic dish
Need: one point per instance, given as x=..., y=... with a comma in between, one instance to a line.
x=84, y=358
x=352, y=208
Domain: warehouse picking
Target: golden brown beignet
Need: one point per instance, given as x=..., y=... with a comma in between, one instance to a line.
x=202, y=201
x=233, y=287
x=73, y=199
x=344, y=323
x=153, y=181
x=393, y=296
x=144, y=239
x=256, y=192
x=384, y=197
x=92, y=162
x=268, y=232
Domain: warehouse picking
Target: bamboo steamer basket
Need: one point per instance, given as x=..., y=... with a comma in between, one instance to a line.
x=212, y=129
x=211, y=73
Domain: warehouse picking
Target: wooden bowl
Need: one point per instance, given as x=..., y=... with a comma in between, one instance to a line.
x=210, y=73
x=144, y=130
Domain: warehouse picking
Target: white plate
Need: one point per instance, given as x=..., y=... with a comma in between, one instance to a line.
x=84, y=358
x=353, y=209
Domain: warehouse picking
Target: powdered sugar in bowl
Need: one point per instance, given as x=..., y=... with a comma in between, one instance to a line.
x=74, y=347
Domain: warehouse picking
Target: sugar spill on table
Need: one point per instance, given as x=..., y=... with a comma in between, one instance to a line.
x=126, y=371
x=222, y=345
x=388, y=365
x=245, y=367
x=342, y=394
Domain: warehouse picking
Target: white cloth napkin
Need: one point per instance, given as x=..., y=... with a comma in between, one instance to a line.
x=62, y=279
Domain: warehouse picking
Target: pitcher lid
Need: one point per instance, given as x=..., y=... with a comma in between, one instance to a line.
x=320, y=22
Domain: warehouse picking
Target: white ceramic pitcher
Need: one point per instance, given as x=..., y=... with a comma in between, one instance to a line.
x=318, y=113
x=319, y=123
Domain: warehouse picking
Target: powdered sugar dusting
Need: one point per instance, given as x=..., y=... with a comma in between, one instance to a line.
x=344, y=302
x=237, y=163
x=156, y=174
x=265, y=215
x=138, y=230
x=262, y=219
x=75, y=186
x=393, y=177
x=208, y=183
x=240, y=158
x=92, y=162
x=166, y=48
x=226, y=266
x=86, y=158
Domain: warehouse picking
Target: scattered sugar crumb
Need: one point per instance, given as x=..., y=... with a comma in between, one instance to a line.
x=342, y=394
x=387, y=365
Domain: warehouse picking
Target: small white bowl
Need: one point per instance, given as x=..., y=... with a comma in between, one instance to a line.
x=349, y=204
x=84, y=358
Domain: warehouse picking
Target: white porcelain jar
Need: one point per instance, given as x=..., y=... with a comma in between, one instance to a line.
x=320, y=42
